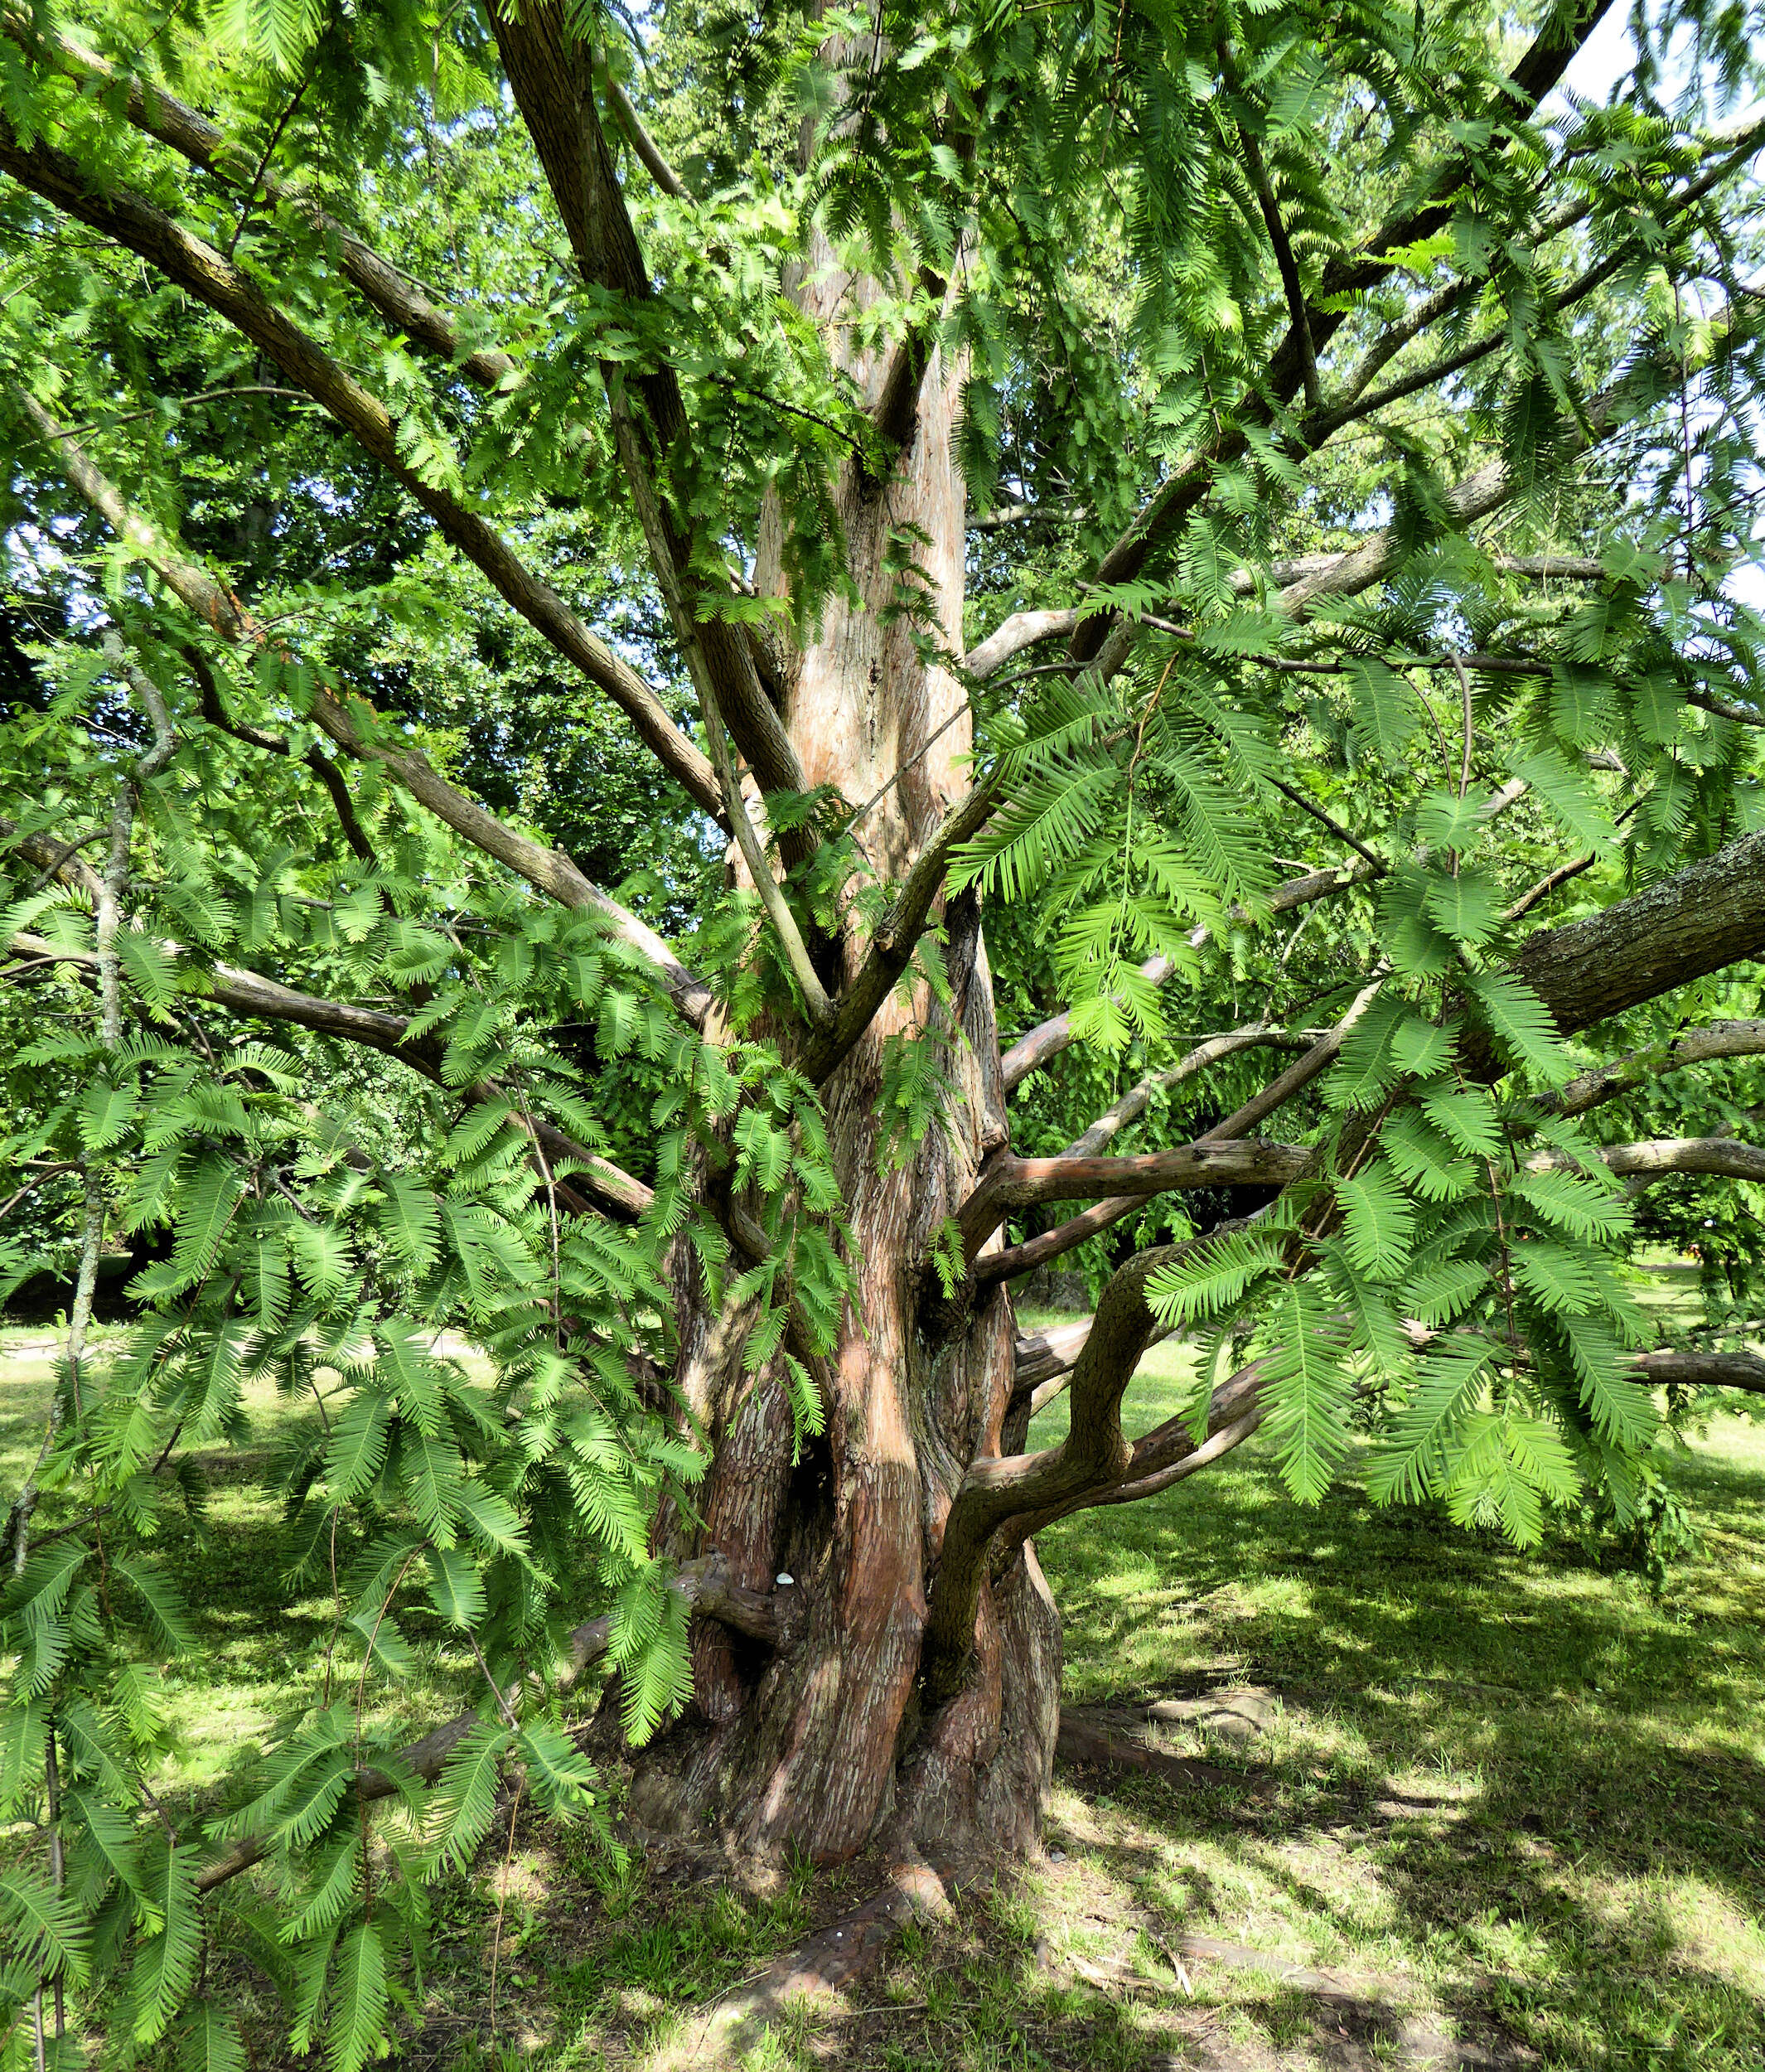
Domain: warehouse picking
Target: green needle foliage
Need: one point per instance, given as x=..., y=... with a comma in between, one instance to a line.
x=1227, y=287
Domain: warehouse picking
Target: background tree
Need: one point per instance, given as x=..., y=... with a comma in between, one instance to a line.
x=1201, y=534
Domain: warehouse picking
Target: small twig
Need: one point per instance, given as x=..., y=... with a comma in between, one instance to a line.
x=551, y=1204
x=1291, y=284
x=322, y=766
x=791, y=409
x=336, y=1594
x=183, y=403
x=1561, y=875
x=262, y=164
x=1548, y=884
x=924, y=748
x=61, y=856
x=1685, y=422
x=11, y=1201
x=57, y=1858
x=1335, y=826
x=502, y=1900
x=1464, y=686
x=503, y=1705
x=1433, y=720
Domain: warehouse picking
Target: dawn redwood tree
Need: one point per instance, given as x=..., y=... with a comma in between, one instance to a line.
x=1348, y=447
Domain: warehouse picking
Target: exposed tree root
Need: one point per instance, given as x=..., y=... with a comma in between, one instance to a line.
x=1088, y=1736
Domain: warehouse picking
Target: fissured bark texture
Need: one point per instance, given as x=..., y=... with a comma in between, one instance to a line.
x=823, y=1745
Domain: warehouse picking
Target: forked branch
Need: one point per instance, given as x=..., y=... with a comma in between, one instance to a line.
x=1015, y=1260
x=547, y=870
x=897, y=933
x=1012, y=1184
x=1094, y=1455
x=1689, y=1047
x=407, y=307
x=1135, y=1103
x=118, y=212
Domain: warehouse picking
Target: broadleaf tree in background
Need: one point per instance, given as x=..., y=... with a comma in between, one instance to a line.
x=594, y=605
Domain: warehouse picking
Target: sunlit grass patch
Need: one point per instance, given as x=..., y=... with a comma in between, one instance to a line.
x=1519, y=1796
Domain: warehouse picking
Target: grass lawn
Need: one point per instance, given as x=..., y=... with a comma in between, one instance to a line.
x=1514, y=1808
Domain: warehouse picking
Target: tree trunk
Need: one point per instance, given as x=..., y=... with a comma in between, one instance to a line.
x=824, y=1744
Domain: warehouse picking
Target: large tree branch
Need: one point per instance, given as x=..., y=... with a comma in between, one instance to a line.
x=1542, y=568
x=404, y=303
x=1703, y=1370
x=1702, y=919
x=897, y=933
x=1166, y=1454
x=1719, y=1157
x=547, y=870
x=1092, y=1454
x=249, y=993
x=1021, y=630
x=1043, y=1356
x=550, y=71
x=1028, y=629
x=1002, y=1501
x=1689, y=1047
x=1360, y=404
x=1012, y=1184
x=1476, y=495
x=1014, y=1261
x=643, y=143
x=1298, y=1075
x=759, y=868
x=1038, y=1046
x=1298, y=316
x=134, y=222
x=1169, y=1452
x=1360, y=569
x=1041, y=1045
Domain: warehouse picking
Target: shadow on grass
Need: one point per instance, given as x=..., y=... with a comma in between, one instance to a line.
x=1590, y=1873
x=1518, y=1795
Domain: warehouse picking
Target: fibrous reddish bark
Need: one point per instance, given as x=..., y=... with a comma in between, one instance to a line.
x=816, y=1746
